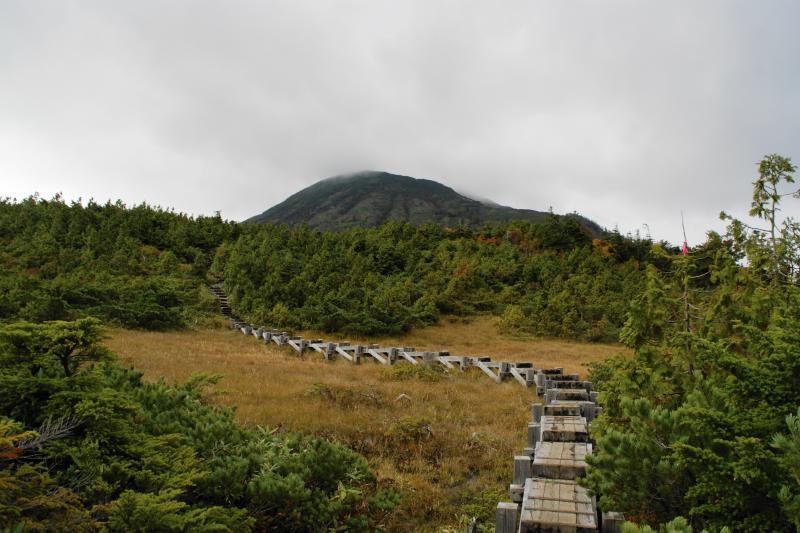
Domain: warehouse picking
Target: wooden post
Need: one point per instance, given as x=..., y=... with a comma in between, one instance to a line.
x=548, y=396
x=534, y=434
x=506, y=517
x=536, y=411
x=504, y=371
x=522, y=469
x=612, y=522
x=589, y=413
x=357, y=355
x=393, y=355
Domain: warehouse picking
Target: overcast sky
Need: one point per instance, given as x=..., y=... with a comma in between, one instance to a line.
x=627, y=112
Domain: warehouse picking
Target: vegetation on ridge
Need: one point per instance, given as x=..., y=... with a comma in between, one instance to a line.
x=545, y=279
x=139, y=267
x=699, y=423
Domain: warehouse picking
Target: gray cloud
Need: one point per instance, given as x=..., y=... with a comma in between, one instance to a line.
x=624, y=111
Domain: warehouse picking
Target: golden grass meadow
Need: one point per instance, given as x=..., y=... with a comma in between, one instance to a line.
x=447, y=444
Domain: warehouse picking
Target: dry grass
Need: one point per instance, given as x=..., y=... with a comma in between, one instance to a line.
x=476, y=424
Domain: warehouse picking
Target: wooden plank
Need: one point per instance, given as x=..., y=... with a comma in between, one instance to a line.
x=564, y=429
x=384, y=351
x=343, y=353
x=572, y=384
x=572, y=395
x=378, y=357
x=408, y=357
x=557, y=505
x=516, y=375
x=486, y=370
x=443, y=359
x=294, y=344
x=560, y=460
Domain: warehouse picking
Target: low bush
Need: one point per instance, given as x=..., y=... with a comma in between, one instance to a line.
x=86, y=444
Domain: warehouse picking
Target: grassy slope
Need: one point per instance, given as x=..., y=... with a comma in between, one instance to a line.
x=476, y=425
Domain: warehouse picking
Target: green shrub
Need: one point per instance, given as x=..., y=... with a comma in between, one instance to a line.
x=156, y=457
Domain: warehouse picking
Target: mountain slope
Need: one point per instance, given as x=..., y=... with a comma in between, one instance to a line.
x=370, y=198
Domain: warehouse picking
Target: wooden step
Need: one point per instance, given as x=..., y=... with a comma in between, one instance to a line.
x=557, y=505
x=564, y=429
x=560, y=460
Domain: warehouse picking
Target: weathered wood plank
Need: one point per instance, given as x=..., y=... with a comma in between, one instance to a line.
x=343, y=353
x=564, y=429
x=444, y=360
x=486, y=370
x=560, y=460
x=378, y=357
x=295, y=344
x=408, y=357
x=516, y=375
x=557, y=505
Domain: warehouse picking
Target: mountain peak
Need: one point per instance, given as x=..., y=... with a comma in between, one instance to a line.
x=369, y=198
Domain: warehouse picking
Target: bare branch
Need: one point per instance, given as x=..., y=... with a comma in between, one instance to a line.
x=51, y=430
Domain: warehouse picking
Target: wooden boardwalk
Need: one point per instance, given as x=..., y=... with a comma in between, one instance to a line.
x=523, y=373
x=545, y=494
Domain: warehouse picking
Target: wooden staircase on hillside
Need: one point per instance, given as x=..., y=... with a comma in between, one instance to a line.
x=224, y=305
